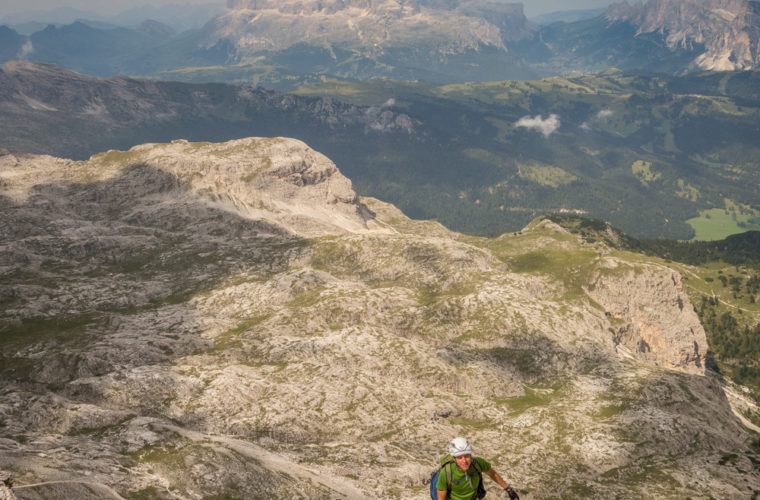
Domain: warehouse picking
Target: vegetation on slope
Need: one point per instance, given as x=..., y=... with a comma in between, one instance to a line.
x=723, y=281
x=654, y=155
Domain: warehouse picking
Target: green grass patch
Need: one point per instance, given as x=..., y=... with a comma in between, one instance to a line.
x=161, y=455
x=149, y=493
x=231, y=338
x=62, y=329
x=642, y=170
x=554, y=262
x=686, y=190
x=545, y=175
x=471, y=423
x=307, y=298
x=718, y=223
x=570, y=267
x=533, y=397
x=610, y=411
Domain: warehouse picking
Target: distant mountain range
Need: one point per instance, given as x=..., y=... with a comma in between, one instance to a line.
x=282, y=43
x=180, y=16
x=669, y=36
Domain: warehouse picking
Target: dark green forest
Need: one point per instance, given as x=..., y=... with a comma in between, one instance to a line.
x=739, y=249
x=648, y=153
x=644, y=152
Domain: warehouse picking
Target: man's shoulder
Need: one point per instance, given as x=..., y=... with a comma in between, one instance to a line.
x=484, y=465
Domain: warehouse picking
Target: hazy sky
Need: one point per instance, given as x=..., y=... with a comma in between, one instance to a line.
x=532, y=7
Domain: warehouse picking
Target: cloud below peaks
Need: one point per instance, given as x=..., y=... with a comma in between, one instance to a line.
x=546, y=126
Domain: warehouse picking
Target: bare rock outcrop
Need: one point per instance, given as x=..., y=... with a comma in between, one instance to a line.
x=280, y=181
x=728, y=30
x=6, y=486
x=659, y=324
x=189, y=320
x=373, y=26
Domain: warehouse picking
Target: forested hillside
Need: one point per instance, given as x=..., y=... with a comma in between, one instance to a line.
x=656, y=156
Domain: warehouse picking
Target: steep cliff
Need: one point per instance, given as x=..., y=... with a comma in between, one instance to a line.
x=659, y=322
x=196, y=319
x=728, y=30
x=456, y=24
x=432, y=40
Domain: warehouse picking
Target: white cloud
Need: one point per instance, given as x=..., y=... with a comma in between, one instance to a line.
x=389, y=102
x=604, y=114
x=26, y=49
x=546, y=127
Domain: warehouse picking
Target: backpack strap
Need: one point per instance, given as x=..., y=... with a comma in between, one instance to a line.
x=447, y=470
x=481, y=487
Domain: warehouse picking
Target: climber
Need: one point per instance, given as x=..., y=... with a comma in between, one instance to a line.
x=460, y=475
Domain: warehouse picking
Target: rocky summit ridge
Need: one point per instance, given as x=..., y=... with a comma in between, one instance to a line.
x=191, y=320
x=725, y=32
x=372, y=25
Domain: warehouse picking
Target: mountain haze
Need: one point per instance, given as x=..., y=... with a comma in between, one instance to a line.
x=645, y=153
x=282, y=44
x=358, y=38
x=199, y=319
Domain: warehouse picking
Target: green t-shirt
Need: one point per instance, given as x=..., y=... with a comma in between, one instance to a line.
x=464, y=484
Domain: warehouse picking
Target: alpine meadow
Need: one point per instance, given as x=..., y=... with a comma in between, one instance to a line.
x=323, y=249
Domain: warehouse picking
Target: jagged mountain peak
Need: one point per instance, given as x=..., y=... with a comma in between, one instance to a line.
x=335, y=5
x=728, y=30
x=448, y=25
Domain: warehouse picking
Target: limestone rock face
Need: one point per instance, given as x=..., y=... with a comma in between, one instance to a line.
x=281, y=181
x=660, y=324
x=6, y=483
x=255, y=25
x=729, y=30
x=190, y=320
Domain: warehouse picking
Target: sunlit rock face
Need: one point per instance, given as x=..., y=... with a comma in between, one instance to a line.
x=371, y=25
x=231, y=320
x=729, y=30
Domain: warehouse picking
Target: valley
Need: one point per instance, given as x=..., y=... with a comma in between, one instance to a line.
x=647, y=153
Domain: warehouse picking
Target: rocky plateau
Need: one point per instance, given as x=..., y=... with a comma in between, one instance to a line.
x=230, y=320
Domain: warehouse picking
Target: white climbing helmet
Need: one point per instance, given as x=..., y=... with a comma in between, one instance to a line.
x=460, y=446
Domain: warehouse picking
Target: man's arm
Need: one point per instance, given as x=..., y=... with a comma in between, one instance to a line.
x=495, y=476
x=441, y=494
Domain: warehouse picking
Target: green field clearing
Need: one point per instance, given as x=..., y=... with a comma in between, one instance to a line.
x=716, y=224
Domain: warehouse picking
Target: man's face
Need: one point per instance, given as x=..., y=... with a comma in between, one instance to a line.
x=463, y=461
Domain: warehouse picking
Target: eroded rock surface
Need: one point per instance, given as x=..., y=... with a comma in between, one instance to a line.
x=191, y=319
